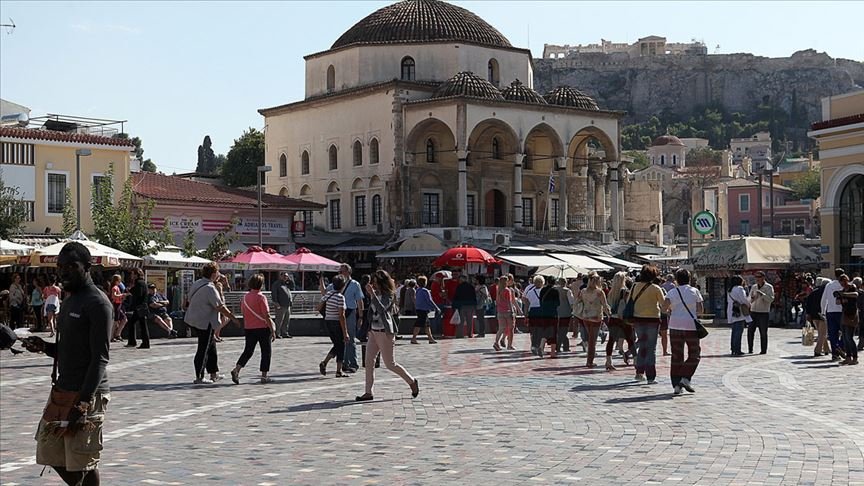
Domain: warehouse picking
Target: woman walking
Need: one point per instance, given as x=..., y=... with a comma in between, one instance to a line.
x=737, y=312
x=619, y=329
x=549, y=302
x=534, y=316
x=36, y=302
x=505, y=310
x=117, y=298
x=483, y=300
x=647, y=300
x=848, y=299
x=382, y=334
x=17, y=301
x=51, y=294
x=683, y=304
x=424, y=305
x=258, y=328
x=222, y=286
x=595, y=306
x=333, y=305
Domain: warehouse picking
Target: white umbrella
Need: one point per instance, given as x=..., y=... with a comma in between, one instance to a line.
x=100, y=255
x=560, y=271
x=9, y=248
x=174, y=259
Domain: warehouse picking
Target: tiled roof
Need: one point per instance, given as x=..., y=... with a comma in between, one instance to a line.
x=567, y=96
x=470, y=85
x=162, y=187
x=519, y=92
x=411, y=21
x=53, y=136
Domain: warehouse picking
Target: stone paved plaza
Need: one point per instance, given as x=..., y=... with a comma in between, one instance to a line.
x=482, y=417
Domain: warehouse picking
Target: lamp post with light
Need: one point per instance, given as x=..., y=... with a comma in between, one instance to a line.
x=81, y=152
x=262, y=169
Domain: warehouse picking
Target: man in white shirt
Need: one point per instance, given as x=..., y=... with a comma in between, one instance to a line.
x=833, y=313
x=761, y=296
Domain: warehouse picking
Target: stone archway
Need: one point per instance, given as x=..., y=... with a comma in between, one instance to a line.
x=591, y=152
x=850, y=220
x=495, y=213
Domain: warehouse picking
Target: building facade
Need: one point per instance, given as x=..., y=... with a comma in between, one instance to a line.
x=41, y=163
x=790, y=216
x=840, y=136
x=418, y=116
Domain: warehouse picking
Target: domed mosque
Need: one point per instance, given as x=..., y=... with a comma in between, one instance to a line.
x=422, y=115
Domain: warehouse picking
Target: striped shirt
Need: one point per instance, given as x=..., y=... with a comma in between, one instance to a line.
x=335, y=302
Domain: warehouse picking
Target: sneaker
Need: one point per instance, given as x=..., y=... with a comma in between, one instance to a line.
x=651, y=382
x=266, y=379
x=172, y=334
x=496, y=347
x=687, y=386
x=216, y=377
x=235, y=377
x=349, y=370
x=202, y=381
x=533, y=350
x=511, y=348
x=677, y=390
x=640, y=377
x=287, y=336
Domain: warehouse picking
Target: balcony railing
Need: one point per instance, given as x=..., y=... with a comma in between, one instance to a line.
x=29, y=211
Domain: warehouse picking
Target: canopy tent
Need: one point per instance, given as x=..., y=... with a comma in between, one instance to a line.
x=559, y=271
x=754, y=253
x=9, y=248
x=582, y=263
x=529, y=261
x=303, y=260
x=171, y=258
x=100, y=255
x=256, y=258
x=616, y=262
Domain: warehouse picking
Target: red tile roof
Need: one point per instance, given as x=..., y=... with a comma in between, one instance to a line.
x=163, y=187
x=53, y=136
x=838, y=122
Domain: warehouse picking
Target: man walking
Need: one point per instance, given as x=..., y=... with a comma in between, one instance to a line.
x=138, y=302
x=202, y=314
x=833, y=313
x=762, y=296
x=353, y=315
x=69, y=437
x=283, y=299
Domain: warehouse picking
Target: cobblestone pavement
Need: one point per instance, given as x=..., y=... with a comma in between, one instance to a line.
x=481, y=417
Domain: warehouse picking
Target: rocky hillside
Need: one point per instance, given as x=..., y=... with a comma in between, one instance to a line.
x=647, y=86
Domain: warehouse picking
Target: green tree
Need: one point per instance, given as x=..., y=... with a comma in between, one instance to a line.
x=640, y=159
x=70, y=216
x=245, y=156
x=189, y=246
x=125, y=224
x=702, y=157
x=146, y=165
x=218, y=247
x=13, y=212
x=808, y=186
x=206, y=157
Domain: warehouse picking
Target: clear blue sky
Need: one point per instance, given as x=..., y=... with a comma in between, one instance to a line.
x=179, y=71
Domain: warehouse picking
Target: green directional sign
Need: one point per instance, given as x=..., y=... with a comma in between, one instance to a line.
x=704, y=222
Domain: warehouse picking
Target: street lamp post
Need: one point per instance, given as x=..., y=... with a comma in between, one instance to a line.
x=81, y=152
x=261, y=170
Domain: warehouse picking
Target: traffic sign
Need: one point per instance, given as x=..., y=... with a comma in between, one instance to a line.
x=704, y=222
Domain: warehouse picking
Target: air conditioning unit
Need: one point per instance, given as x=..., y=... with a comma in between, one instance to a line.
x=607, y=238
x=453, y=235
x=501, y=239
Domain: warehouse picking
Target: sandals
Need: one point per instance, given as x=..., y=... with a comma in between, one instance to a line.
x=415, y=388
x=364, y=397
x=414, y=341
x=322, y=367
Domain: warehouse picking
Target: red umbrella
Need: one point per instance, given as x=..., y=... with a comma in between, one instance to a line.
x=303, y=260
x=256, y=258
x=463, y=255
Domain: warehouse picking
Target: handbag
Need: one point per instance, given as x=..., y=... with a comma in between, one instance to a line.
x=322, y=307
x=700, y=329
x=629, y=311
x=807, y=335
x=455, y=319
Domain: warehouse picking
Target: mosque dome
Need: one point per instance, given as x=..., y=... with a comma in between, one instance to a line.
x=567, y=96
x=418, y=21
x=468, y=84
x=519, y=92
x=666, y=140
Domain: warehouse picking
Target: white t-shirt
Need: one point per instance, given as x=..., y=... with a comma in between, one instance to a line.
x=738, y=294
x=679, y=318
x=532, y=293
x=829, y=302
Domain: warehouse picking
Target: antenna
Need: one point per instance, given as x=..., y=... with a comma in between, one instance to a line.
x=10, y=26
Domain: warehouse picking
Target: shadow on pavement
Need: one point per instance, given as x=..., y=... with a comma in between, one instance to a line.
x=15, y=367
x=308, y=407
x=608, y=386
x=186, y=385
x=645, y=398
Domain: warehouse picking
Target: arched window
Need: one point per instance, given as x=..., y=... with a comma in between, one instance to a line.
x=674, y=159
x=283, y=165
x=373, y=151
x=304, y=163
x=283, y=192
x=528, y=161
x=376, y=209
x=662, y=160
x=493, y=71
x=407, y=69
x=496, y=149
x=334, y=162
x=358, y=153
x=331, y=79
x=430, y=151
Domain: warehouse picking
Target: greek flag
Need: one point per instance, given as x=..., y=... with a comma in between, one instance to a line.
x=551, y=182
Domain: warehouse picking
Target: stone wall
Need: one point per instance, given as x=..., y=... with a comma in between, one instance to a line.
x=643, y=208
x=645, y=86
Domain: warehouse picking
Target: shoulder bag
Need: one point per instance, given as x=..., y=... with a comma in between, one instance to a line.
x=700, y=329
x=322, y=306
x=630, y=307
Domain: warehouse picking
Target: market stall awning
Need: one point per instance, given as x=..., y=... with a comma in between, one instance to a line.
x=559, y=271
x=529, y=261
x=304, y=260
x=754, y=253
x=100, y=255
x=581, y=262
x=256, y=258
x=616, y=262
x=9, y=248
x=173, y=259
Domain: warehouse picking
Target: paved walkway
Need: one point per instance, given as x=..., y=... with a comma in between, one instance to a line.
x=481, y=417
